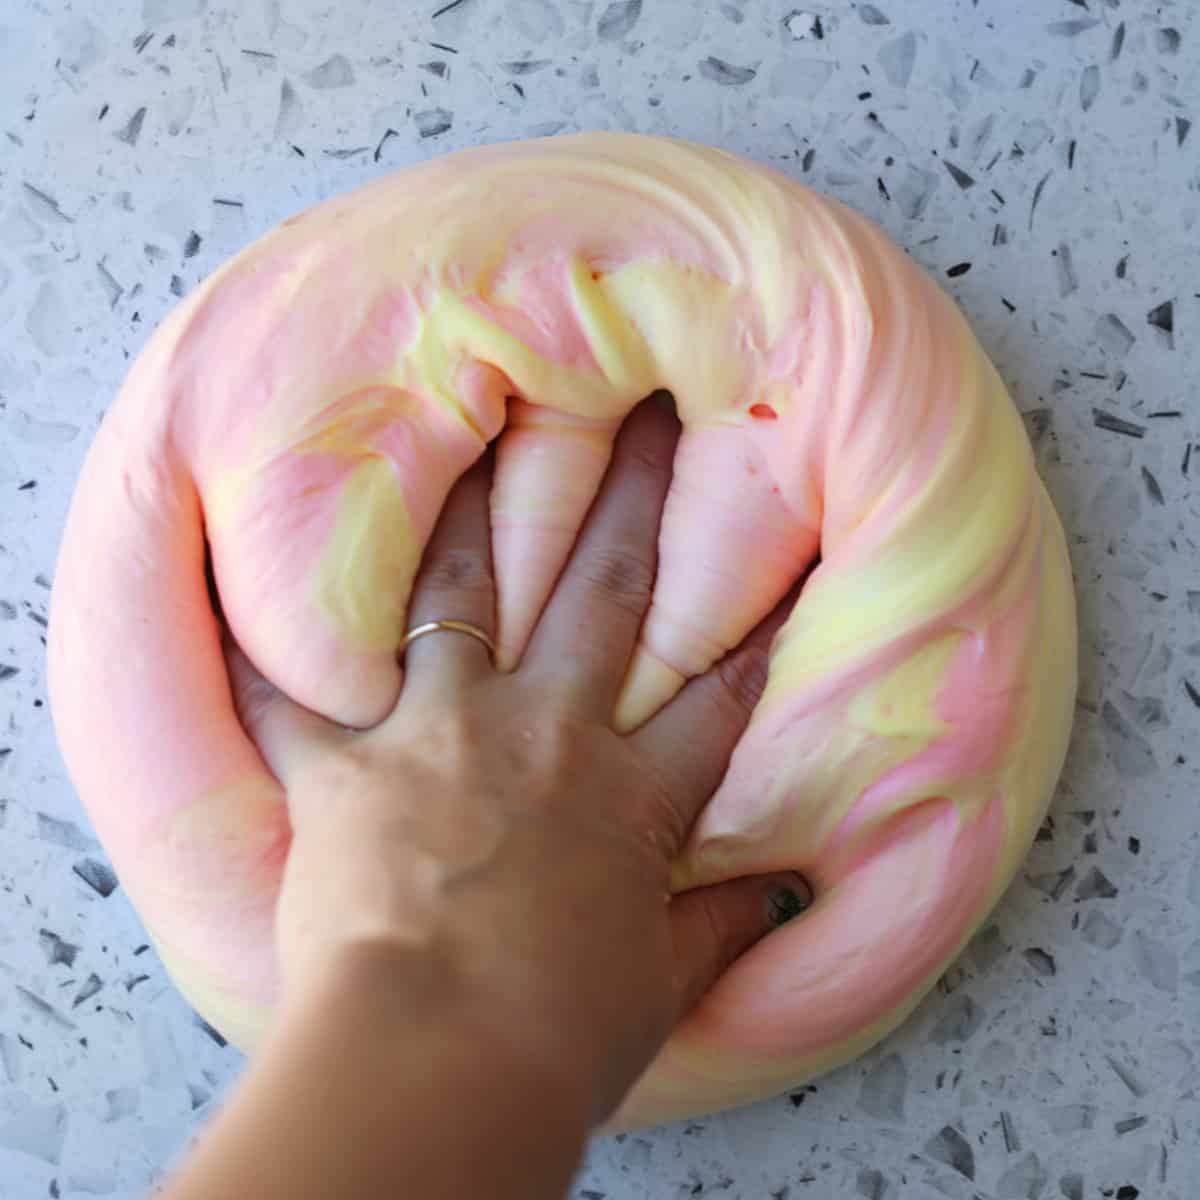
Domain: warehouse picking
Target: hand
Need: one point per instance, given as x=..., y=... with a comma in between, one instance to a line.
x=496, y=825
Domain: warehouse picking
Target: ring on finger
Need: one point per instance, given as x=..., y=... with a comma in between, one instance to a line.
x=447, y=625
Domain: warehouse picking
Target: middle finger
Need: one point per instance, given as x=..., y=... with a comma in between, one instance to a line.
x=590, y=625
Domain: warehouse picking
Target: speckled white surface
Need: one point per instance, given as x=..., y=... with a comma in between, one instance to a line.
x=1037, y=155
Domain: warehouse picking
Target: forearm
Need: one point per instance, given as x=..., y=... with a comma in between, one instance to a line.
x=374, y=1084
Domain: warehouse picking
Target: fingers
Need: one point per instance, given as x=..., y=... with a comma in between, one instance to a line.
x=455, y=583
x=583, y=642
x=692, y=738
x=713, y=926
x=549, y=466
x=731, y=545
x=284, y=731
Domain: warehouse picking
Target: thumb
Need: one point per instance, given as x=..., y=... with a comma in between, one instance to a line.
x=282, y=730
x=713, y=926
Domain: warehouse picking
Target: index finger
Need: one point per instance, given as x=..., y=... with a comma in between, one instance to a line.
x=692, y=738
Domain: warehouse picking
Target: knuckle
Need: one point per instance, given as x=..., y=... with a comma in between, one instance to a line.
x=459, y=569
x=742, y=677
x=621, y=576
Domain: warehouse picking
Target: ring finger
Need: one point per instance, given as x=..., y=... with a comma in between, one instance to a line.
x=455, y=585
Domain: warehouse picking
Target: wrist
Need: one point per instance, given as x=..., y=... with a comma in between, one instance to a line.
x=394, y=997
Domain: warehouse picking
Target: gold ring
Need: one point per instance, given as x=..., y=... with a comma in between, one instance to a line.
x=448, y=626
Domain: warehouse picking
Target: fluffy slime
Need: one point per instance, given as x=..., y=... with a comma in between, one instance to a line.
x=302, y=416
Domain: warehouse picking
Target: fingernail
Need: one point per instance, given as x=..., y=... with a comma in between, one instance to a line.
x=788, y=895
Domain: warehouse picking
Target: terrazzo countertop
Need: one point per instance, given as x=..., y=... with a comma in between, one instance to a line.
x=1037, y=156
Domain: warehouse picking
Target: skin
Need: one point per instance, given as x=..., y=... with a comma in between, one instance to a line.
x=479, y=947
x=301, y=417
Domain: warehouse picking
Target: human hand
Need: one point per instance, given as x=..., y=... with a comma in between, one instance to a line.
x=496, y=826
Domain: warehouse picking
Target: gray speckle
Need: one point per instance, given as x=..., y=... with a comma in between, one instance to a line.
x=1012, y=1143
x=1099, y=931
x=87, y=989
x=1089, y=86
x=1131, y=753
x=37, y=1130
x=727, y=74
x=1114, y=335
x=1071, y=1118
x=62, y=833
x=99, y=876
x=132, y=129
x=1162, y=318
x=1149, y=712
x=1038, y=423
x=56, y=950
x=1129, y=1125
x=1052, y=883
x=1157, y=963
x=290, y=116
x=870, y=15
x=961, y=177
x=1118, y=42
x=1155, y=716
x=1024, y=1180
x=10, y=1059
x=1041, y=961
x=45, y=206
x=214, y=1034
x=1167, y=40
x=47, y=322
x=803, y=26
x=950, y=1147
x=1095, y=885
x=1127, y=1076
x=334, y=72
x=1068, y=281
x=1071, y=28
x=870, y=1184
x=120, y=1103
x=884, y=1088
x=988, y=947
x=897, y=59
x=958, y=1021
x=1071, y=1186
x=618, y=19
x=35, y=1003
x=525, y=66
x=912, y=196
x=433, y=121
x=1115, y=424
x=536, y=19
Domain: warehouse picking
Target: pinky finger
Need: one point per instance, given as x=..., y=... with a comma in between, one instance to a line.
x=713, y=926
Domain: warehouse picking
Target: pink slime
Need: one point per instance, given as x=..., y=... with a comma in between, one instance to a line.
x=308, y=408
